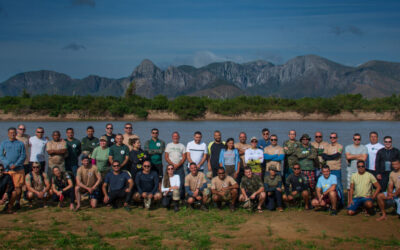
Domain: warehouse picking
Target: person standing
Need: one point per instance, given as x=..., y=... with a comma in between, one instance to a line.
x=319, y=144
x=74, y=151
x=307, y=157
x=262, y=144
x=24, y=138
x=100, y=157
x=38, y=144
x=241, y=146
x=383, y=162
x=332, y=156
x=129, y=135
x=119, y=152
x=273, y=155
x=254, y=157
x=229, y=159
x=155, y=148
x=137, y=157
x=89, y=143
x=373, y=147
x=214, y=150
x=354, y=152
x=57, y=150
x=289, y=148
x=175, y=155
x=109, y=134
x=196, y=152
x=12, y=155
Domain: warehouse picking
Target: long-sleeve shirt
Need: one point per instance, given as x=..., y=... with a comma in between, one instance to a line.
x=174, y=181
x=274, y=155
x=147, y=182
x=384, y=158
x=297, y=183
x=271, y=184
x=307, y=157
x=6, y=185
x=12, y=153
x=222, y=158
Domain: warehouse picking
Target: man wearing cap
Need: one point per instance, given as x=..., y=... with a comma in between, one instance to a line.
x=289, y=148
x=254, y=157
x=88, y=180
x=224, y=188
x=327, y=196
x=307, y=157
x=361, y=193
x=119, y=152
x=320, y=146
x=252, y=189
x=100, y=157
x=273, y=189
x=273, y=155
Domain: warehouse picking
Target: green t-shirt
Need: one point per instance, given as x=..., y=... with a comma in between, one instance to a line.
x=88, y=144
x=74, y=150
x=119, y=153
x=155, y=149
x=101, y=157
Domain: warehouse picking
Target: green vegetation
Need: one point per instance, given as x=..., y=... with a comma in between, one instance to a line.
x=188, y=108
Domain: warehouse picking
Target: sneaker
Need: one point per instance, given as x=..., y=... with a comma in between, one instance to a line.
x=5, y=206
x=232, y=207
x=147, y=203
x=17, y=206
x=176, y=207
x=127, y=208
x=333, y=212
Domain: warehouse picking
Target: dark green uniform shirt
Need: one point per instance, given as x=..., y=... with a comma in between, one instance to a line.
x=251, y=185
x=119, y=153
x=155, y=149
x=88, y=144
x=74, y=150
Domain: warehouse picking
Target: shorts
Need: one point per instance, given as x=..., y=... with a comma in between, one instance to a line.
x=205, y=192
x=18, y=177
x=326, y=199
x=226, y=197
x=95, y=195
x=310, y=178
x=358, y=202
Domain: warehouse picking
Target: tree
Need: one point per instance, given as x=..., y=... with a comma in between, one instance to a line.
x=131, y=90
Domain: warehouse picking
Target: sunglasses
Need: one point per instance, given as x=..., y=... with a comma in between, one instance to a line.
x=296, y=168
x=109, y=128
x=128, y=127
x=146, y=166
x=40, y=132
x=274, y=139
x=170, y=169
x=305, y=139
x=387, y=141
x=33, y=167
x=333, y=137
x=116, y=165
x=361, y=166
x=21, y=129
x=266, y=134
x=154, y=133
x=357, y=139
x=318, y=136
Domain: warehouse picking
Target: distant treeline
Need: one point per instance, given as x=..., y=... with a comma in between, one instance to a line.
x=187, y=107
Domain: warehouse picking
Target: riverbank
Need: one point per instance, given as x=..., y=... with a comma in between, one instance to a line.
x=155, y=115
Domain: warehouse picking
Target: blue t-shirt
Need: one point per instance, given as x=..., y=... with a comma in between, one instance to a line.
x=117, y=182
x=325, y=184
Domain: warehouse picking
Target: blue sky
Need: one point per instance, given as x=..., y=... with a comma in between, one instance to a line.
x=110, y=38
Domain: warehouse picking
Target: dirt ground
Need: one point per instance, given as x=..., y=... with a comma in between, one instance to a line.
x=106, y=228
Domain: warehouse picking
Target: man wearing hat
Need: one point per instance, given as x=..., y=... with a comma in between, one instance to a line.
x=273, y=188
x=254, y=157
x=307, y=157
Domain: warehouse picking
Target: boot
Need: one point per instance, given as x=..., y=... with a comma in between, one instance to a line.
x=176, y=206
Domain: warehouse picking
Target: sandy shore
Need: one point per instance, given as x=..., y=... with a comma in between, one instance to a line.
x=168, y=116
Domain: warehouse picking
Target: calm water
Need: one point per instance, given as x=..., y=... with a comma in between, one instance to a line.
x=228, y=129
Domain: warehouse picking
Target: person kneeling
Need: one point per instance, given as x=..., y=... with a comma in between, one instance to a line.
x=360, y=194
x=7, y=193
x=273, y=188
x=62, y=186
x=327, y=196
x=117, y=185
x=170, y=189
x=88, y=179
x=37, y=184
x=252, y=189
x=147, y=186
x=196, y=187
x=296, y=187
x=224, y=188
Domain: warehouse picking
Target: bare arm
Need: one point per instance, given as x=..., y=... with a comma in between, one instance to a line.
x=377, y=190
x=125, y=161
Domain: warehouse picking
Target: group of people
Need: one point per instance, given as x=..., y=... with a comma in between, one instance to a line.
x=114, y=169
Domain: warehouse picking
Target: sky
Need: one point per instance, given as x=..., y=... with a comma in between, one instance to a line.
x=110, y=38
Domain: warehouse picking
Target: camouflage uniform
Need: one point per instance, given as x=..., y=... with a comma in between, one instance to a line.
x=308, y=160
x=251, y=185
x=290, y=158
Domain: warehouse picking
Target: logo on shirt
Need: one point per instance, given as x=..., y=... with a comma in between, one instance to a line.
x=112, y=140
x=122, y=152
x=74, y=145
x=158, y=144
x=93, y=143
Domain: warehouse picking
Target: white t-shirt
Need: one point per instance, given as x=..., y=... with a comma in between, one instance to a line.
x=372, y=150
x=173, y=181
x=197, y=151
x=38, y=147
x=253, y=154
x=175, y=151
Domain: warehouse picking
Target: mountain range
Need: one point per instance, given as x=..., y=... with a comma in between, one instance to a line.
x=302, y=76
